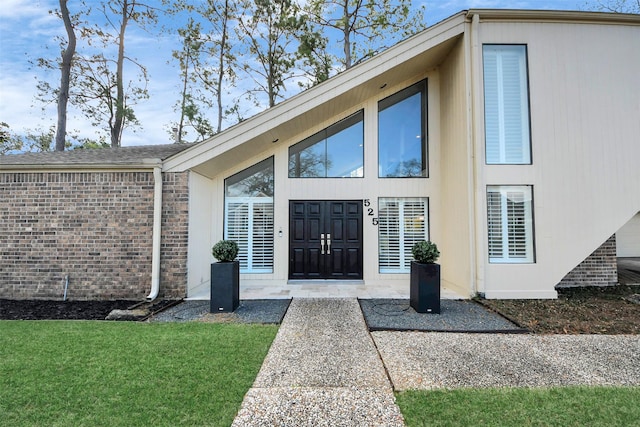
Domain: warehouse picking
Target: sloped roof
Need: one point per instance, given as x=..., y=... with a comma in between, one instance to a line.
x=326, y=101
x=99, y=157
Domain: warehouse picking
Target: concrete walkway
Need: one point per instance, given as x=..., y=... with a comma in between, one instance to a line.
x=322, y=370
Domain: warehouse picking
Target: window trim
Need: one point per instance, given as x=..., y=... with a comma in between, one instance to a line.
x=528, y=192
x=391, y=100
x=528, y=128
x=324, y=134
x=251, y=201
x=402, y=269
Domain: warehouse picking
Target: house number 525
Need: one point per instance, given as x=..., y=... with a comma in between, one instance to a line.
x=367, y=205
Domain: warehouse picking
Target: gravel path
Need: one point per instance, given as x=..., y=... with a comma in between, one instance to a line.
x=418, y=360
x=322, y=370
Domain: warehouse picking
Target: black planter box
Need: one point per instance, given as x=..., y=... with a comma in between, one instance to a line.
x=424, y=292
x=225, y=286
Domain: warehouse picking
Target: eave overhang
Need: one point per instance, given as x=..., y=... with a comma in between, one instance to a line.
x=298, y=114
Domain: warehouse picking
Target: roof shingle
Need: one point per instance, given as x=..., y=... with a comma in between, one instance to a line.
x=97, y=157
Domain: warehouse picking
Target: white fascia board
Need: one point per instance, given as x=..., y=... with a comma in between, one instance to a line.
x=554, y=16
x=264, y=122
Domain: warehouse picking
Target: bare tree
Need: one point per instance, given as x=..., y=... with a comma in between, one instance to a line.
x=617, y=6
x=366, y=27
x=268, y=28
x=65, y=73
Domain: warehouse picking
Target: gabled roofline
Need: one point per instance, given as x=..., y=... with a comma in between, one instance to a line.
x=262, y=124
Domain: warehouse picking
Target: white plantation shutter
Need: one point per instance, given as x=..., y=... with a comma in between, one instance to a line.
x=506, y=98
x=516, y=224
x=402, y=222
x=249, y=221
x=389, y=235
x=261, y=255
x=510, y=224
x=237, y=225
x=248, y=216
x=494, y=213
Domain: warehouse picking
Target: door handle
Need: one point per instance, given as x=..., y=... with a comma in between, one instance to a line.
x=328, y=244
x=322, y=244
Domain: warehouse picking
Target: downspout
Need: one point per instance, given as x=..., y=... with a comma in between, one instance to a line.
x=157, y=229
x=478, y=183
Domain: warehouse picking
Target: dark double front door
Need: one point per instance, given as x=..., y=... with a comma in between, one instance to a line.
x=325, y=239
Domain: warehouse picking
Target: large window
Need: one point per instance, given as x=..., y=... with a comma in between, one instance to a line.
x=249, y=216
x=506, y=104
x=402, y=222
x=402, y=133
x=334, y=152
x=510, y=224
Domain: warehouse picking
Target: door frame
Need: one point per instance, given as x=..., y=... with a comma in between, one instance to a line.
x=325, y=240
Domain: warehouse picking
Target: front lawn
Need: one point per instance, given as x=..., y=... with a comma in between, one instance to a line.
x=69, y=373
x=561, y=406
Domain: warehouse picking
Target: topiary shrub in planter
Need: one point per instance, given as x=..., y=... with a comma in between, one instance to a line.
x=225, y=277
x=225, y=250
x=424, y=291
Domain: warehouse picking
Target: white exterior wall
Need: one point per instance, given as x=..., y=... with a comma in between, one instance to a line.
x=201, y=225
x=585, y=129
x=456, y=243
x=211, y=191
x=628, y=238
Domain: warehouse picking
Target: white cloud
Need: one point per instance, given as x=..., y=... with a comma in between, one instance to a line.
x=20, y=9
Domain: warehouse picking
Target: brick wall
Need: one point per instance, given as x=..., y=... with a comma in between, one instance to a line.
x=175, y=228
x=94, y=227
x=598, y=269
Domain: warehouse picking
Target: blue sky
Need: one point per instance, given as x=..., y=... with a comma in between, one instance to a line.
x=26, y=29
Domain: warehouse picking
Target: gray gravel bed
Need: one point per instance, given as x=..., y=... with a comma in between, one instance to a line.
x=249, y=311
x=455, y=316
x=419, y=360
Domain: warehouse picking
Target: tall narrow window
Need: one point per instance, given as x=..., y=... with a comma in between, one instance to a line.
x=402, y=222
x=510, y=224
x=402, y=138
x=334, y=152
x=249, y=216
x=506, y=104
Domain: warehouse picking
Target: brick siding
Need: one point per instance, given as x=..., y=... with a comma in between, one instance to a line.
x=175, y=229
x=598, y=269
x=94, y=227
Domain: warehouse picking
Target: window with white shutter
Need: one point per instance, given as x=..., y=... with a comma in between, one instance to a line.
x=506, y=104
x=510, y=224
x=249, y=216
x=402, y=222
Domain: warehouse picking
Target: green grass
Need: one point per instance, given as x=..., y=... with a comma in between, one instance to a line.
x=562, y=406
x=75, y=373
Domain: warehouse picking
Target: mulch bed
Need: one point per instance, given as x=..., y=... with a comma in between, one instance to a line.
x=594, y=310
x=69, y=310
x=606, y=310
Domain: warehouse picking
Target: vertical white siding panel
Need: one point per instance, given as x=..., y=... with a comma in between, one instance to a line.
x=455, y=166
x=585, y=117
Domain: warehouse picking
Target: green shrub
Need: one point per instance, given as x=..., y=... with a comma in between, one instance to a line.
x=425, y=252
x=225, y=250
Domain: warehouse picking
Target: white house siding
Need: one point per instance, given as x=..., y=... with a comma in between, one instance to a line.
x=456, y=201
x=585, y=105
x=628, y=238
x=584, y=108
x=200, y=235
x=207, y=195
